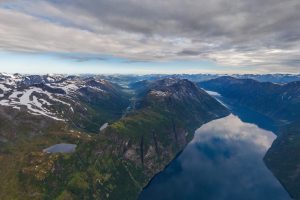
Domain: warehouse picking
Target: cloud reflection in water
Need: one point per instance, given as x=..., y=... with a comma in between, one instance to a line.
x=222, y=162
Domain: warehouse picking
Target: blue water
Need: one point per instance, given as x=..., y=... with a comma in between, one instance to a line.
x=222, y=162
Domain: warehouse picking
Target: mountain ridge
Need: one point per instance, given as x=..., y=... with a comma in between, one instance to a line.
x=118, y=161
x=274, y=100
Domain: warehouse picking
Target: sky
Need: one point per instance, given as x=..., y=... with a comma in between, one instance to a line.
x=150, y=36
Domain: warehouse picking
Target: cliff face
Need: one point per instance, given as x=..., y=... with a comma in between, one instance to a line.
x=119, y=161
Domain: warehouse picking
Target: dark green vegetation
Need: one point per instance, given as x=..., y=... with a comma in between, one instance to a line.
x=113, y=164
x=283, y=158
x=282, y=104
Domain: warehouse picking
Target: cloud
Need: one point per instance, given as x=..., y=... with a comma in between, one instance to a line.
x=263, y=34
x=81, y=57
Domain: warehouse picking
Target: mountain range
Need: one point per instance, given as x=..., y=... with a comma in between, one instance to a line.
x=124, y=135
x=278, y=101
x=123, y=130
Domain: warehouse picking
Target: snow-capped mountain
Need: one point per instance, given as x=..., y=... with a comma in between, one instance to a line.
x=58, y=97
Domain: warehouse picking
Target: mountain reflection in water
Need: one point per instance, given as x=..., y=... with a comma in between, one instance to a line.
x=222, y=162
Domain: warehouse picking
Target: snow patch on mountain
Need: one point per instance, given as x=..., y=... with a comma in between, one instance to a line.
x=53, y=96
x=159, y=93
x=29, y=99
x=212, y=93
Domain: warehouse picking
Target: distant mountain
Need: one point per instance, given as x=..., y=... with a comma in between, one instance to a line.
x=274, y=78
x=117, y=162
x=130, y=79
x=280, y=102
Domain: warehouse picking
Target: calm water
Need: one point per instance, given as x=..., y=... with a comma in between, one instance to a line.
x=61, y=148
x=223, y=162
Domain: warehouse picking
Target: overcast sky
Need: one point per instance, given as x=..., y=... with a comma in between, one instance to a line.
x=150, y=36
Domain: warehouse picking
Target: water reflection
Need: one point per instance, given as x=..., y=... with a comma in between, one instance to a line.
x=223, y=162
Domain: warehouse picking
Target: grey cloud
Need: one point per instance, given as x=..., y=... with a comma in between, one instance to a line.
x=81, y=58
x=188, y=52
x=235, y=33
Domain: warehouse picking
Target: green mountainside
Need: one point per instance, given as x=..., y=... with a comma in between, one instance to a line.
x=114, y=163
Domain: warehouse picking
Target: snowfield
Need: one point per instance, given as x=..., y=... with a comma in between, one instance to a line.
x=29, y=99
x=43, y=94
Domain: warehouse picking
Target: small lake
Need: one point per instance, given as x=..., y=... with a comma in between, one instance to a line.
x=224, y=161
x=61, y=148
